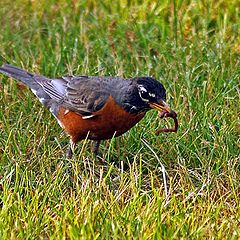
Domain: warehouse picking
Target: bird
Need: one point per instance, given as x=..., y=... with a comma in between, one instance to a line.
x=94, y=107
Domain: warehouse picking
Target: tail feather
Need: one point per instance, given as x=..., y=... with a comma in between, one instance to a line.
x=28, y=79
x=19, y=74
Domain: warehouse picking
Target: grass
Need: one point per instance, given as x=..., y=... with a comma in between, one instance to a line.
x=193, y=48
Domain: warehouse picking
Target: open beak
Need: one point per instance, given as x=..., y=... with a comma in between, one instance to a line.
x=161, y=106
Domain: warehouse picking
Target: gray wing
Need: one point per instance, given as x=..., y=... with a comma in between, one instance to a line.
x=82, y=94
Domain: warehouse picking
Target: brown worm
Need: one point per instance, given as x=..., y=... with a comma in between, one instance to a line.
x=172, y=115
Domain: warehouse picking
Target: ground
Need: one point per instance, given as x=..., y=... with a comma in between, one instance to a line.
x=171, y=186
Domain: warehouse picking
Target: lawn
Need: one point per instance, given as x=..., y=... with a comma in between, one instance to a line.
x=183, y=185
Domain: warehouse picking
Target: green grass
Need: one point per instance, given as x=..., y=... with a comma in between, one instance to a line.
x=193, y=47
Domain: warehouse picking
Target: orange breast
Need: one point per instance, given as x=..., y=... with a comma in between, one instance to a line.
x=110, y=121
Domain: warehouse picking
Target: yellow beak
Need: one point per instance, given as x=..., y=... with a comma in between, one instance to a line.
x=161, y=106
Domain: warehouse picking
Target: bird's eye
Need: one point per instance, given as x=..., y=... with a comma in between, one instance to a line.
x=143, y=93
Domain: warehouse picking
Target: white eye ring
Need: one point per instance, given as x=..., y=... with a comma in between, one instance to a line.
x=144, y=90
x=141, y=90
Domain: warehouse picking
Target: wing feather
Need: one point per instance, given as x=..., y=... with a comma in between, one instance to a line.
x=82, y=94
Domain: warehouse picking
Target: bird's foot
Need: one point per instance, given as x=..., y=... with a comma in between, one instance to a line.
x=70, y=150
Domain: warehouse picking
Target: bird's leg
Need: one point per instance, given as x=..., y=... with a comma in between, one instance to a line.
x=70, y=149
x=95, y=147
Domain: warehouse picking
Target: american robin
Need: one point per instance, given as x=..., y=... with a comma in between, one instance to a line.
x=96, y=108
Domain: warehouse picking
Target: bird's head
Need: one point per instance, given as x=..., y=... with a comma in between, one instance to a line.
x=152, y=94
